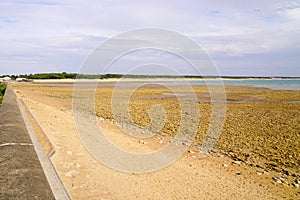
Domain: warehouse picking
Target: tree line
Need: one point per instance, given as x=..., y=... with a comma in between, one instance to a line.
x=65, y=75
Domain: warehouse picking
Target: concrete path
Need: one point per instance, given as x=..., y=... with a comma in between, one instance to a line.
x=22, y=175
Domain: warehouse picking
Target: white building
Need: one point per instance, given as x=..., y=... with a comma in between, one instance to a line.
x=6, y=78
x=20, y=79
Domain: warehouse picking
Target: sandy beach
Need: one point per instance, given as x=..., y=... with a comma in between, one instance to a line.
x=256, y=157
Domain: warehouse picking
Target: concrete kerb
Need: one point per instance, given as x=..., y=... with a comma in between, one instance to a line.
x=54, y=181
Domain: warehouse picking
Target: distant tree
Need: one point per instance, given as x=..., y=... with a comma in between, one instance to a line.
x=63, y=75
x=13, y=77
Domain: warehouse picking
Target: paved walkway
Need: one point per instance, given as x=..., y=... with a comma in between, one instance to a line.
x=21, y=174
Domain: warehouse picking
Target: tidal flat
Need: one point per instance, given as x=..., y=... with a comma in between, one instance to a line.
x=261, y=129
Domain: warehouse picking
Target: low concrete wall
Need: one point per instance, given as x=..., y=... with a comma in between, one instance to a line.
x=21, y=174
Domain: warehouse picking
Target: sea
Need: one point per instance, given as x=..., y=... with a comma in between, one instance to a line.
x=275, y=84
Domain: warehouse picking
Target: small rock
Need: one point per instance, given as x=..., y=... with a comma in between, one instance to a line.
x=213, y=151
x=285, y=176
x=286, y=172
x=160, y=141
x=285, y=182
x=191, y=151
x=225, y=165
x=295, y=185
x=220, y=155
x=272, y=164
x=259, y=166
x=294, y=175
x=238, y=173
x=237, y=162
x=277, y=179
x=142, y=142
x=258, y=173
x=69, y=174
x=184, y=143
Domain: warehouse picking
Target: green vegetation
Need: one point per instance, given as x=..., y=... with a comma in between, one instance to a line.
x=63, y=75
x=2, y=90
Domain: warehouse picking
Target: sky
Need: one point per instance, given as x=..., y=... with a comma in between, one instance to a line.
x=242, y=38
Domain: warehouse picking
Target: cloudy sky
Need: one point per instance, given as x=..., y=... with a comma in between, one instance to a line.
x=260, y=38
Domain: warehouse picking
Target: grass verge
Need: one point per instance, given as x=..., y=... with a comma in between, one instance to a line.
x=2, y=90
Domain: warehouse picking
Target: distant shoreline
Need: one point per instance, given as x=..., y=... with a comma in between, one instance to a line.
x=150, y=79
x=112, y=77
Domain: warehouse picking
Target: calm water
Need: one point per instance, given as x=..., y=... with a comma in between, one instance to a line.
x=283, y=84
x=280, y=84
x=273, y=84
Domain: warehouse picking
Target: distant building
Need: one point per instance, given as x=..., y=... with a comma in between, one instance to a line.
x=23, y=80
x=5, y=79
x=20, y=79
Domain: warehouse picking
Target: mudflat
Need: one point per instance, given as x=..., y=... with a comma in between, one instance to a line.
x=256, y=156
